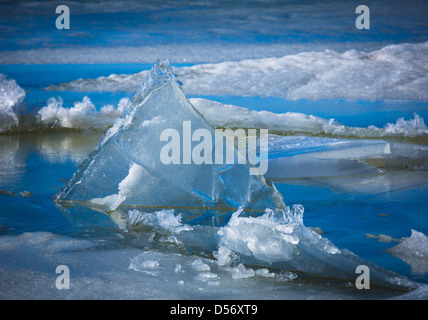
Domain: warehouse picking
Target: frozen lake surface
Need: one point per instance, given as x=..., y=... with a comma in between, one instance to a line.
x=348, y=148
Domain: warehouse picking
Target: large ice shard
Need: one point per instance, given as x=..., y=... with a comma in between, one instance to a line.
x=125, y=170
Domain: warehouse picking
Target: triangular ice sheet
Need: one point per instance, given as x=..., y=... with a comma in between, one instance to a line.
x=125, y=170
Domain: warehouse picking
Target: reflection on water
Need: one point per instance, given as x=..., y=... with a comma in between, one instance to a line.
x=12, y=165
x=54, y=147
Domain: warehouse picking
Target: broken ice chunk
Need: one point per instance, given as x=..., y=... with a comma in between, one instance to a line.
x=413, y=251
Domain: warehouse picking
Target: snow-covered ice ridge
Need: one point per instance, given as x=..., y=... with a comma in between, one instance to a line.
x=395, y=72
x=85, y=115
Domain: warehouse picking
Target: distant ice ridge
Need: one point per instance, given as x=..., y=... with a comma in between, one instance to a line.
x=177, y=52
x=11, y=95
x=84, y=115
x=395, y=72
x=291, y=122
